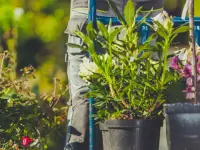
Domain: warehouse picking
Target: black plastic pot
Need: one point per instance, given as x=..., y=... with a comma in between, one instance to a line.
x=183, y=126
x=131, y=134
x=105, y=136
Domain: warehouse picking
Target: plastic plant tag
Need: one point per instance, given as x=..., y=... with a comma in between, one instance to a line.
x=185, y=10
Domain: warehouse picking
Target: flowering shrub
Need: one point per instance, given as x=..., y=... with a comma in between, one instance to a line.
x=23, y=110
x=26, y=120
x=127, y=82
x=182, y=63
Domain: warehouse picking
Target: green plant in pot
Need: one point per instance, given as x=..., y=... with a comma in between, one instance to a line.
x=127, y=81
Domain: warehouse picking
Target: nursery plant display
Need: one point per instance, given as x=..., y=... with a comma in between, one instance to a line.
x=128, y=79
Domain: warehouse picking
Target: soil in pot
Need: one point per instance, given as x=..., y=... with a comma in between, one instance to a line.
x=131, y=134
x=183, y=126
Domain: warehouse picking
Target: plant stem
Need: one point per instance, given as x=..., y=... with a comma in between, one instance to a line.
x=194, y=63
x=113, y=94
x=2, y=63
x=55, y=86
x=165, y=61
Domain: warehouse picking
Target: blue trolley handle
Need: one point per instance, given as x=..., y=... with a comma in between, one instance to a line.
x=91, y=17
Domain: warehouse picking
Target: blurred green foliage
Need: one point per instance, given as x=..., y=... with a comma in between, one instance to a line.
x=36, y=30
x=33, y=32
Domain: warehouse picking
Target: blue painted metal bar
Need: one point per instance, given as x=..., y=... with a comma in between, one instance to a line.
x=91, y=125
x=197, y=34
x=176, y=20
x=91, y=17
x=144, y=32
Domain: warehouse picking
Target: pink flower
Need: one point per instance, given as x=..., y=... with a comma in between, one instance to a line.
x=198, y=59
x=189, y=81
x=174, y=63
x=198, y=68
x=189, y=89
x=190, y=95
x=187, y=71
x=26, y=141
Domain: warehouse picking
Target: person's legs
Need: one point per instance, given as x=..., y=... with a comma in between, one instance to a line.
x=78, y=112
x=78, y=125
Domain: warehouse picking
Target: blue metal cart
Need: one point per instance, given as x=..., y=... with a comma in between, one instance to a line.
x=145, y=31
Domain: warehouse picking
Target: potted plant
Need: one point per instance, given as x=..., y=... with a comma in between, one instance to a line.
x=183, y=119
x=127, y=82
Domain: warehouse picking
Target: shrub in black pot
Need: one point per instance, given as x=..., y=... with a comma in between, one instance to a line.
x=183, y=124
x=127, y=82
x=183, y=118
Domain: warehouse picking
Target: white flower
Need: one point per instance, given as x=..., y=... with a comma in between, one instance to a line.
x=183, y=55
x=18, y=12
x=87, y=68
x=132, y=59
x=163, y=19
x=160, y=18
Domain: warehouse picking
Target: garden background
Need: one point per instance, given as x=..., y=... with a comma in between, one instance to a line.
x=33, y=33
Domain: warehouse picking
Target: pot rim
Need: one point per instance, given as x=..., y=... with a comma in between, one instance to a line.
x=175, y=108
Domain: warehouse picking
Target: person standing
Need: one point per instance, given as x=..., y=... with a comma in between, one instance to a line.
x=78, y=117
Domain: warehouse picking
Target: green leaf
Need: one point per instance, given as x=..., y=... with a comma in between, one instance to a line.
x=173, y=37
x=102, y=29
x=101, y=44
x=90, y=31
x=181, y=29
x=146, y=44
x=117, y=12
x=110, y=27
x=143, y=20
x=150, y=86
x=84, y=37
x=144, y=56
x=115, y=33
x=129, y=12
x=169, y=77
x=160, y=29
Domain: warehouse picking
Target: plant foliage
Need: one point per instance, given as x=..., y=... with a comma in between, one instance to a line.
x=130, y=79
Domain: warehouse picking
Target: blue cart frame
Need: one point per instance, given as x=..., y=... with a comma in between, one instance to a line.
x=144, y=30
